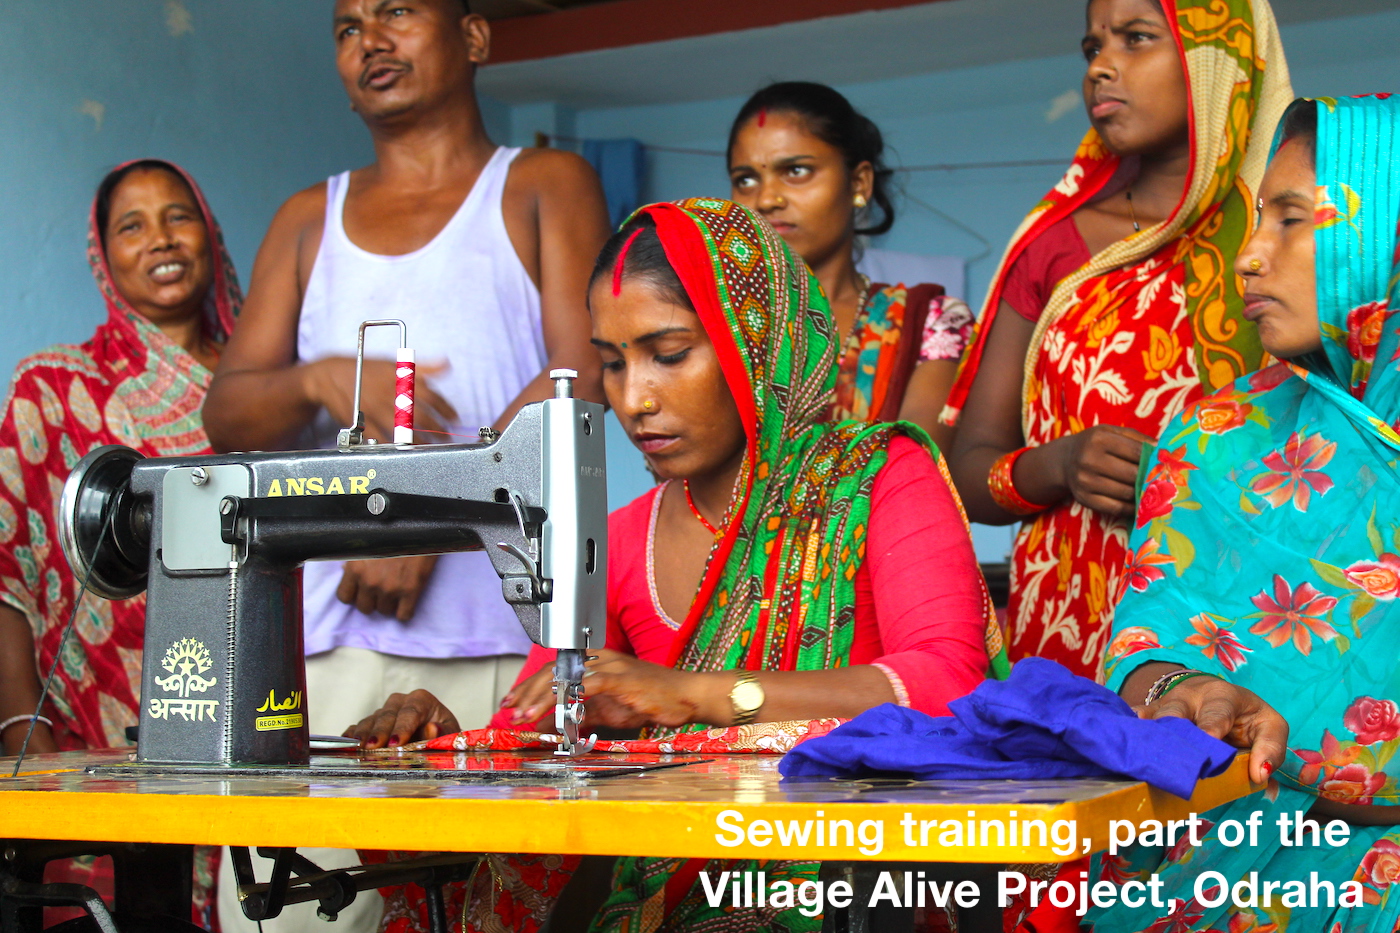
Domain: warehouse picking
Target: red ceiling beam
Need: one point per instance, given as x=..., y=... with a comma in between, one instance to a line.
x=634, y=22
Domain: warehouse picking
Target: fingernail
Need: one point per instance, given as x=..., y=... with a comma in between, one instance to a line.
x=1267, y=767
x=394, y=740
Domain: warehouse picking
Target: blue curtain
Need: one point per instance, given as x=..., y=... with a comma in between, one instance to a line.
x=621, y=163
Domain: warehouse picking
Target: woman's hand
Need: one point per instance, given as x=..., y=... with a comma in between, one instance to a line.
x=530, y=699
x=625, y=693
x=20, y=686
x=1099, y=467
x=622, y=692
x=1234, y=714
x=405, y=718
x=40, y=743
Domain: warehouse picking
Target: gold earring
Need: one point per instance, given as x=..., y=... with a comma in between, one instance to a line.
x=1255, y=265
x=648, y=404
x=860, y=200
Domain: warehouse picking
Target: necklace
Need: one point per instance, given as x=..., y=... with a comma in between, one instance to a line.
x=1129, y=195
x=696, y=512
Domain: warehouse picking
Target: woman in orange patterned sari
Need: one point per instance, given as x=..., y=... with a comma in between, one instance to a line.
x=1116, y=304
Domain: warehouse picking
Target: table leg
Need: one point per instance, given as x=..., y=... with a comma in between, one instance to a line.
x=860, y=916
x=153, y=884
x=154, y=880
x=22, y=904
x=437, y=909
x=296, y=880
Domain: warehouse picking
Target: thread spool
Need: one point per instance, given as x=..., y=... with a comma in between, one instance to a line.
x=404, y=377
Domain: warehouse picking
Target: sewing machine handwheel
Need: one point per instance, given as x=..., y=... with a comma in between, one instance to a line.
x=98, y=490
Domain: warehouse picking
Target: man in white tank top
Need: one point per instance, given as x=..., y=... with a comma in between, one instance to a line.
x=485, y=252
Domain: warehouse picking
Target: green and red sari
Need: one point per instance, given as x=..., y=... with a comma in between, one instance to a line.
x=778, y=592
x=779, y=589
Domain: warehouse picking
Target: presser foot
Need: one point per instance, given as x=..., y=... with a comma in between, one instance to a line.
x=568, y=703
x=568, y=718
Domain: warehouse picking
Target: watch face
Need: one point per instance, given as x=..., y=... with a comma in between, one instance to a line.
x=747, y=696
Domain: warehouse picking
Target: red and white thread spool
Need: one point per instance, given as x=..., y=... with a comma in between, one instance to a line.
x=403, y=396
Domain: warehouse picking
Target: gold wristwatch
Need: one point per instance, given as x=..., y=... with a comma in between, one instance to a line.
x=746, y=697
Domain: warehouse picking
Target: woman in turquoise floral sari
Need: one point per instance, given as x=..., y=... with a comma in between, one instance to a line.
x=1265, y=563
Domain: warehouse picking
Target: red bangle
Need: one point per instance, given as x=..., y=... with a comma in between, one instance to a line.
x=1003, y=487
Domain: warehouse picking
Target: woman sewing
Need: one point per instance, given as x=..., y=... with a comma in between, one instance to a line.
x=813, y=166
x=158, y=256
x=779, y=543
x=1261, y=592
x=1115, y=304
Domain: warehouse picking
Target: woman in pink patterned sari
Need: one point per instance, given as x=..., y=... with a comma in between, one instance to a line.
x=813, y=166
x=171, y=295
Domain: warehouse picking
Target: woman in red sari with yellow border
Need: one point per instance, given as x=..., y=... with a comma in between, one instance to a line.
x=1116, y=304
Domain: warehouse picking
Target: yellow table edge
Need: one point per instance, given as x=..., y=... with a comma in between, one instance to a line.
x=580, y=827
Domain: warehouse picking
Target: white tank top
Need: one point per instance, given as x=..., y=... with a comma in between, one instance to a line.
x=467, y=300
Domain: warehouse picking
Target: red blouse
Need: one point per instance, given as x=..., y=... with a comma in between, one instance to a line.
x=919, y=598
x=1047, y=259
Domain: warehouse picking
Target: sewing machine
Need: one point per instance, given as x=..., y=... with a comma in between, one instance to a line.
x=217, y=543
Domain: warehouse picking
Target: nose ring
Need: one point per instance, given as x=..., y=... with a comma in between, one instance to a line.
x=780, y=201
x=648, y=404
x=1255, y=265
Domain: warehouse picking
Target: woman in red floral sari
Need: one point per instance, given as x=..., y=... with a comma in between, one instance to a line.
x=171, y=294
x=1116, y=304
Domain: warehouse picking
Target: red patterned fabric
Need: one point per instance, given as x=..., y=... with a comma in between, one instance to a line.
x=1145, y=326
x=761, y=738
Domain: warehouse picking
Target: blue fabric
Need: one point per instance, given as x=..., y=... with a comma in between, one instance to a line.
x=1040, y=723
x=622, y=165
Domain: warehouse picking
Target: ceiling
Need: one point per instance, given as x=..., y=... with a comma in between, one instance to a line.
x=859, y=47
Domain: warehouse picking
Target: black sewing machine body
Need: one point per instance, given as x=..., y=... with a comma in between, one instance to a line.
x=217, y=542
